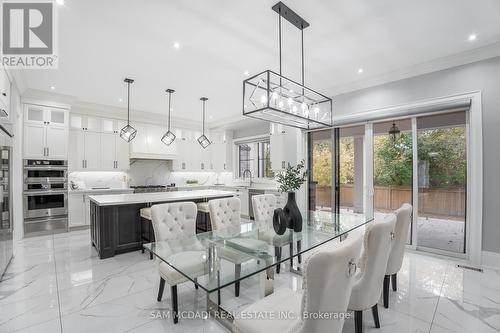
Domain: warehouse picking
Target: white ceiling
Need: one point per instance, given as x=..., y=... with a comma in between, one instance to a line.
x=101, y=42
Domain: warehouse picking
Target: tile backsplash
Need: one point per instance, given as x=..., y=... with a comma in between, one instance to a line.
x=90, y=179
x=157, y=172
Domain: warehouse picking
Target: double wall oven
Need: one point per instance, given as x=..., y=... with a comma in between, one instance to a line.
x=45, y=196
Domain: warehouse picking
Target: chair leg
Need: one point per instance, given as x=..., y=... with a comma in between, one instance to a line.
x=160, y=291
x=358, y=321
x=394, y=282
x=386, y=291
x=291, y=254
x=195, y=283
x=375, y=315
x=299, y=257
x=237, y=273
x=175, y=309
x=277, y=252
x=150, y=255
x=218, y=291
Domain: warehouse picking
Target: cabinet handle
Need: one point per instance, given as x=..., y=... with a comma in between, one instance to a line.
x=83, y=164
x=47, y=151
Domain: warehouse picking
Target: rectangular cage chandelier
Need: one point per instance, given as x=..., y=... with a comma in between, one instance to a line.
x=275, y=98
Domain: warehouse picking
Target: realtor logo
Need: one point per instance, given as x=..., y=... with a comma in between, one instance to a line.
x=28, y=34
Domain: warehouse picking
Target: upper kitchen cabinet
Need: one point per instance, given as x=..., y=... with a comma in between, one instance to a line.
x=148, y=144
x=45, y=132
x=4, y=94
x=85, y=123
x=95, y=144
x=112, y=125
x=283, y=145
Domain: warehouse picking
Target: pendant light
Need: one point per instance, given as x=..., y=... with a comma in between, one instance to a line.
x=168, y=137
x=128, y=132
x=203, y=140
x=275, y=98
x=394, y=132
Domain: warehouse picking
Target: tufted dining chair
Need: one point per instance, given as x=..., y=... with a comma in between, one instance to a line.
x=329, y=274
x=173, y=222
x=401, y=228
x=225, y=217
x=367, y=288
x=263, y=211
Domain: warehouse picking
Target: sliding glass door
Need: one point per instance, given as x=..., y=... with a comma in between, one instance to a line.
x=418, y=160
x=392, y=166
x=321, y=176
x=442, y=182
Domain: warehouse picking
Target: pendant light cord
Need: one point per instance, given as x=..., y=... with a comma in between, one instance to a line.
x=169, y=99
x=302, y=43
x=279, y=29
x=203, y=121
x=128, y=103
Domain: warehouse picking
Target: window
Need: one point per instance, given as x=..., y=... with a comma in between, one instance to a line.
x=256, y=158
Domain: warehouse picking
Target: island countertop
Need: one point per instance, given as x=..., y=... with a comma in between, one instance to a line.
x=135, y=198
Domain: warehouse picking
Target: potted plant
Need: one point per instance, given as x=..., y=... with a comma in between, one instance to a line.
x=290, y=181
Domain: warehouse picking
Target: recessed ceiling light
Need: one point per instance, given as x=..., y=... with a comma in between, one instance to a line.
x=177, y=45
x=211, y=117
x=120, y=99
x=472, y=37
x=60, y=2
x=245, y=73
x=52, y=88
x=360, y=70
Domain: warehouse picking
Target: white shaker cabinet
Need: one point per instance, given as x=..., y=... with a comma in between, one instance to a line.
x=76, y=209
x=85, y=150
x=45, y=132
x=95, y=144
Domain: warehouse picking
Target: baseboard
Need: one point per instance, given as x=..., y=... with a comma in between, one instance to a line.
x=491, y=259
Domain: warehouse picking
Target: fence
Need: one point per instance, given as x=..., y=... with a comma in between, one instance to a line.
x=431, y=201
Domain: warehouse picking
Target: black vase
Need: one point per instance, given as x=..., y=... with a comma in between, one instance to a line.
x=293, y=213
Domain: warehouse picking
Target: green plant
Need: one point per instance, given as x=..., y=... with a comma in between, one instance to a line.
x=292, y=177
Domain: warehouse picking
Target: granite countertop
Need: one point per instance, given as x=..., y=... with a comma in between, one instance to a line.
x=133, y=198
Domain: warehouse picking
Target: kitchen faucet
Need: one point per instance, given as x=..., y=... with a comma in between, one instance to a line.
x=249, y=172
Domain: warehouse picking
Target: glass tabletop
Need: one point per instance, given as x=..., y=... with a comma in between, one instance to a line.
x=217, y=259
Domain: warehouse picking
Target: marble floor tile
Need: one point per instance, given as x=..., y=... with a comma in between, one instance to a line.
x=29, y=312
x=59, y=281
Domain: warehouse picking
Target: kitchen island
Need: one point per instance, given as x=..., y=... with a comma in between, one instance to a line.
x=115, y=222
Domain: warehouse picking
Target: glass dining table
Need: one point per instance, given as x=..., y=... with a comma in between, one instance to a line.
x=233, y=254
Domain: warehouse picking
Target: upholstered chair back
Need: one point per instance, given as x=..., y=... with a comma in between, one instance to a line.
x=225, y=213
x=377, y=246
x=328, y=280
x=174, y=220
x=263, y=207
x=401, y=228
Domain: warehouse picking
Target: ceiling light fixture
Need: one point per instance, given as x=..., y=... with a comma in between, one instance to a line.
x=168, y=137
x=128, y=133
x=265, y=93
x=472, y=37
x=177, y=45
x=52, y=88
x=360, y=70
x=245, y=73
x=203, y=140
x=60, y=2
x=120, y=99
